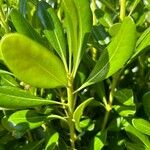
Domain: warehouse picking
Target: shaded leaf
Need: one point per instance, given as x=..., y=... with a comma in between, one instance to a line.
x=138, y=134
x=11, y=97
x=126, y=104
x=36, y=145
x=142, y=125
x=52, y=29
x=146, y=103
x=98, y=141
x=32, y=63
x=116, y=54
x=23, y=27
x=79, y=111
x=23, y=120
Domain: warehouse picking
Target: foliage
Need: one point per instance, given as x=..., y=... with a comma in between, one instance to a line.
x=74, y=74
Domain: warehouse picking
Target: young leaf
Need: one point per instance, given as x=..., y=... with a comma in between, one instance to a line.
x=78, y=113
x=146, y=103
x=23, y=27
x=85, y=25
x=142, y=125
x=115, y=55
x=13, y=98
x=52, y=28
x=24, y=119
x=32, y=63
x=71, y=25
x=138, y=134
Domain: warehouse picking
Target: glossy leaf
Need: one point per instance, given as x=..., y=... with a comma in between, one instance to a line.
x=23, y=27
x=52, y=144
x=84, y=28
x=32, y=63
x=52, y=29
x=24, y=120
x=146, y=103
x=126, y=106
x=138, y=134
x=98, y=141
x=115, y=55
x=142, y=43
x=78, y=113
x=134, y=146
x=14, y=98
x=71, y=25
x=142, y=125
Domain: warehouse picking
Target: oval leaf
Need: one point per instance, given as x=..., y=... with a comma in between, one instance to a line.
x=142, y=125
x=11, y=98
x=115, y=56
x=32, y=63
x=78, y=113
x=24, y=119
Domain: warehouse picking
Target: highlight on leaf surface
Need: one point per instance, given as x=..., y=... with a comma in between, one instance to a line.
x=31, y=62
x=115, y=55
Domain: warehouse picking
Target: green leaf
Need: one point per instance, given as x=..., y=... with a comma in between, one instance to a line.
x=71, y=25
x=98, y=141
x=8, y=80
x=113, y=30
x=116, y=54
x=36, y=145
x=23, y=27
x=52, y=143
x=84, y=28
x=126, y=104
x=56, y=36
x=52, y=28
x=134, y=146
x=11, y=98
x=146, y=103
x=142, y=43
x=141, y=125
x=79, y=111
x=138, y=134
x=32, y=63
x=22, y=120
x=134, y=5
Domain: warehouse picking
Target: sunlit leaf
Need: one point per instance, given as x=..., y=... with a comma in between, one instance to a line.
x=98, y=141
x=23, y=120
x=84, y=28
x=13, y=98
x=32, y=63
x=52, y=143
x=142, y=125
x=138, y=134
x=116, y=54
x=52, y=28
x=79, y=111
